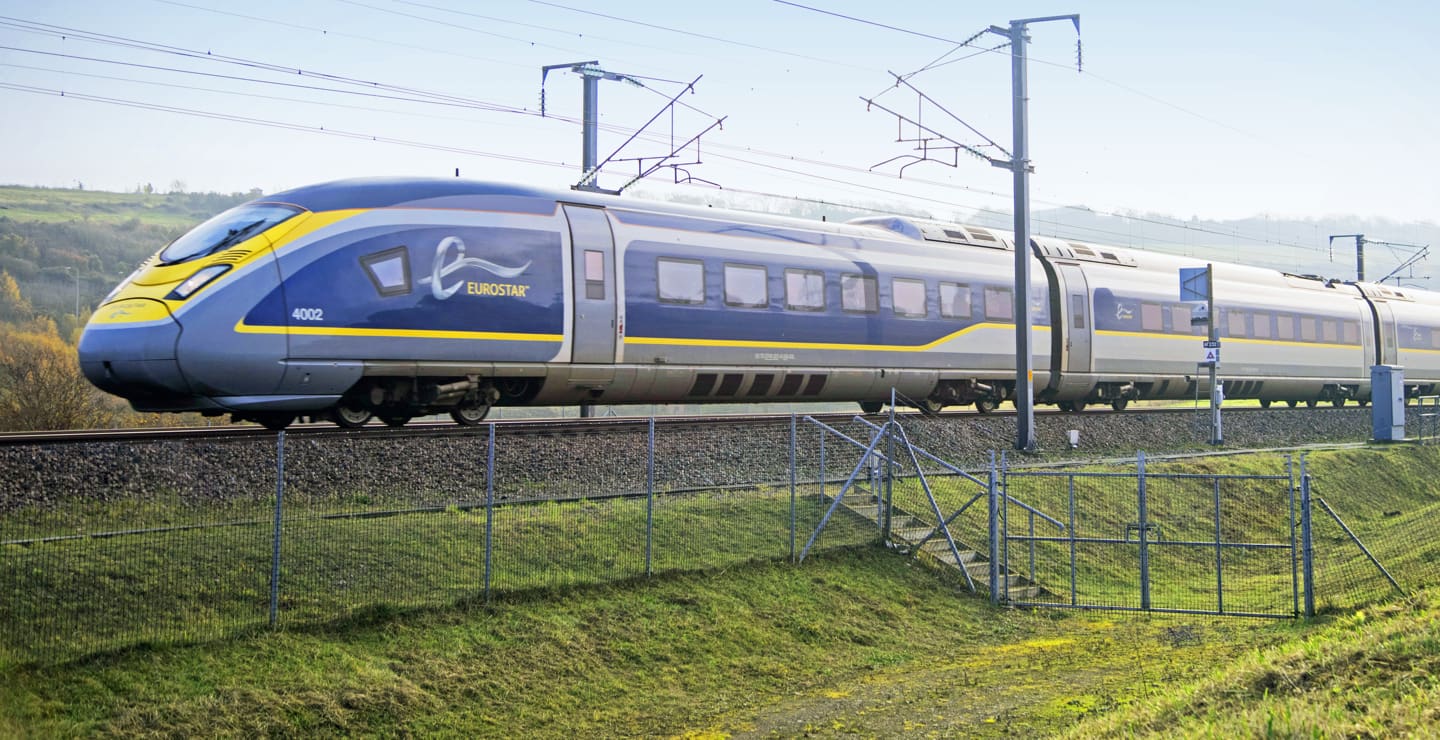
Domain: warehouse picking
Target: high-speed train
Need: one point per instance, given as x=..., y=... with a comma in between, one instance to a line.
x=397, y=298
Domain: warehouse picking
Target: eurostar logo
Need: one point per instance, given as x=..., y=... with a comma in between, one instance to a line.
x=445, y=265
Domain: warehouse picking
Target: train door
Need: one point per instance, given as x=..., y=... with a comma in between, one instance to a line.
x=593, y=257
x=1385, y=322
x=1077, y=318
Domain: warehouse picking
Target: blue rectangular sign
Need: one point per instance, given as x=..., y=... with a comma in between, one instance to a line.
x=1193, y=284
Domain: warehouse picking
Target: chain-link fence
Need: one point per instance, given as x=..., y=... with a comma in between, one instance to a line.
x=108, y=545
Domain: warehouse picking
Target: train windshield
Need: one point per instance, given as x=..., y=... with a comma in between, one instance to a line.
x=231, y=227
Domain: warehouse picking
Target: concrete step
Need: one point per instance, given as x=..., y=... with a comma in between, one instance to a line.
x=968, y=558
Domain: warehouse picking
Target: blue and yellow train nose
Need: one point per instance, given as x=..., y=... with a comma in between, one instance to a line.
x=128, y=349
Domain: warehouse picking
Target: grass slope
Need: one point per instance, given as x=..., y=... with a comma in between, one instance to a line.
x=1368, y=674
x=855, y=642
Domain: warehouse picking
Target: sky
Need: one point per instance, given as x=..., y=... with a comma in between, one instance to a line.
x=1215, y=110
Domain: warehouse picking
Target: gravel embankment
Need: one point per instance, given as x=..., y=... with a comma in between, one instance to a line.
x=360, y=471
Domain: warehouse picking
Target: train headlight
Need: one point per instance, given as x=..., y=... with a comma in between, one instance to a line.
x=195, y=282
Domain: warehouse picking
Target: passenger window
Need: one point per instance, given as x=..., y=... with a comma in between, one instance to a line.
x=1307, y=329
x=1151, y=317
x=1262, y=326
x=1077, y=309
x=1285, y=327
x=1236, y=324
x=908, y=297
x=1331, y=331
x=594, y=275
x=680, y=281
x=998, y=304
x=954, y=301
x=1180, y=319
x=859, y=293
x=805, y=290
x=1434, y=337
x=745, y=286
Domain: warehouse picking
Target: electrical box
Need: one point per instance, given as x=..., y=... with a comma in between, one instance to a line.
x=1387, y=403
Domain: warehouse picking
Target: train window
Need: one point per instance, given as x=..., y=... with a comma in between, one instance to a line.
x=1330, y=332
x=1352, y=332
x=909, y=297
x=1262, y=326
x=1284, y=327
x=805, y=290
x=745, y=286
x=954, y=301
x=1235, y=324
x=859, y=293
x=1077, y=309
x=998, y=304
x=389, y=271
x=1179, y=318
x=1434, y=336
x=1152, y=318
x=1307, y=329
x=594, y=275
x=680, y=281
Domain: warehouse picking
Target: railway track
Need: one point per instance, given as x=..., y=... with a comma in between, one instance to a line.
x=563, y=426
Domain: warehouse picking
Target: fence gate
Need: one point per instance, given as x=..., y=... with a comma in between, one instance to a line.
x=1153, y=541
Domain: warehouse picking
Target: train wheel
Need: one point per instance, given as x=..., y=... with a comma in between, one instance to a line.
x=984, y=405
x=469, y=416
x=1264, y=403
x=346, y=416
x=931, y=407
x=1119, y=404
x=1291, y=404
x=1078, y=406
x=274, y=421
x=1312, y=403
x=1338, y=403
x=872, y=407
x=1065, y=406
x=394, y=421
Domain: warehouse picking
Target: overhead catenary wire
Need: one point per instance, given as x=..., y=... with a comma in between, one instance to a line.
x=512, y=109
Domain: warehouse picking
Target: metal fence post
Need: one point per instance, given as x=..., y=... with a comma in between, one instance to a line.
x=279, y=513
x=1307, y=555
x=794, y=442
x=1032, y=546
x=1004, y=522
x=889, y=504
x=489, y=509
x=1144, y=534
x=1070, y=530
x=1219, y=578
x=994, y=495
x=1294, y=555
x=650, y=499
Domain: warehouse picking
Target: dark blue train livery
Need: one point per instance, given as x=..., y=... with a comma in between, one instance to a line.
x=395, y=298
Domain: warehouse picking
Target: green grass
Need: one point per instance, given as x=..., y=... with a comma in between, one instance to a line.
x=831, y=645
x=180, y=582
x=1372, y=673
x=385, y=632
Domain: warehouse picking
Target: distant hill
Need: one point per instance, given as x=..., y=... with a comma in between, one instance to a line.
x=68, y=248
